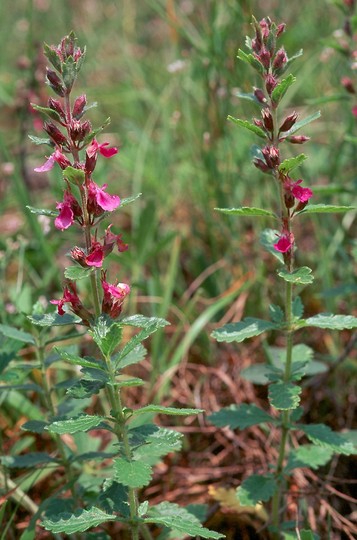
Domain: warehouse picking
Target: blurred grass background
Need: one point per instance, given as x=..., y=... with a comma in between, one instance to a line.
x=166, y=73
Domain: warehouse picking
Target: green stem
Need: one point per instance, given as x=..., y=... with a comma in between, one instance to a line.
x=121, y=432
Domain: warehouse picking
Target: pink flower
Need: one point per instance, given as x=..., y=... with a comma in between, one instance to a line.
x=96, y=255
x=98, y=198
x=70, y=296
x=113, y=297
x=56, y=157
x=285, y=242
x=110, y=239
x=95, y=147
x=300, y=193
x=69, y=210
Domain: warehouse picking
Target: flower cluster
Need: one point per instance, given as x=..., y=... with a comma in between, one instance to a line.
x=75, y=150
x=271, y=62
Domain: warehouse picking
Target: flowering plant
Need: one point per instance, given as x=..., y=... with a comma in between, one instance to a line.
x=288, y=365
x=109, y=492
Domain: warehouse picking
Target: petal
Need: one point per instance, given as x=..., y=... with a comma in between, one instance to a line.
x=283, y=244
x=106, y=201
x=107, y=152
x=47, y=166
x=302, y=194
x=95, y=258
x=65, y=218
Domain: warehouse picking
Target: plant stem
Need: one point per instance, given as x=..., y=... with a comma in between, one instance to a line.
x=121, y=432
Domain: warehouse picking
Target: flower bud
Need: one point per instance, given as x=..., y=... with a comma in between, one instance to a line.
x=347, y=83
x=55, y=134
x=268, y=120
x=259, y=94
x=270, y=83
x=78, y=255
x=288, y=122
x=271, y=155
x=259, y=163
x=258, y=123
x=78, y=107
x=298, y=139
x=289, y=200
x=55, y=82
x=264, y=57
x=56, y=105
x=280, y=29
x=280, y=59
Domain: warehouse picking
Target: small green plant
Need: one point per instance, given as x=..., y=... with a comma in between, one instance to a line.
x=98, y=485
x=288, y=365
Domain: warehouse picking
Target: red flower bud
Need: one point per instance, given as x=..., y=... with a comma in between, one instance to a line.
x=55, y=134
x=271, y=155
x=259, y=94
x=270, y=83
x=264, y=57
x=280, y=59
x=268, y=120
x=288, y=122
x=55, y=82
x=78, y=107
x=298, y=139
x=56, y=105
x=280, y=29
x=259, y=163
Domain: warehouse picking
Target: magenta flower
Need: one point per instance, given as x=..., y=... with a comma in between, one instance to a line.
x=285, y=242
x=56, y=157
x=98, y=198
x=110, y=239
x=95, y=147
x=113, y=297
x=95, y=256
x=69, y=210
x=300, y=193
x=69, y=297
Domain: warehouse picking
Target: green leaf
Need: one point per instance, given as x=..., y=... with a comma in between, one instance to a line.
x=239, y=416
x=106, y=334
x=54, y=319
x=47, y=112
x=75, y=273
x=298, y=307
x=248, y=97
x=325, y=209
x=281, y=88
x=246, y=211
x=83, y=388
x=42, y=211
x=308, y=455
x=114, y=498
x=79, y=361
x=132, y=357
x=83, y=422
x=80, y=521
x=52, y=56
x=284, y=396
x=32, y=459
x=276, y=314
x=257, y=373
x=124, y=381
x=134, y=474
x=333, y=322
x=149, y=325
x=256, y=488
x=290, y=164
x=245, y=329
x=302, y=123
x=247, y=125
x=324, y=436
x=16, y=335
x=251, y=60
x=40, y=140
x=74, y=176
x=35, y=426
x=129, y=200
x=157, y=444
x=300, y=276
x=141, y=321
x=179, y=519
x=69, y=72
x=172, y=411
x=268, y=238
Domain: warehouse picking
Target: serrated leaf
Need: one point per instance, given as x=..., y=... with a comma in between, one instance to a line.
x=324, y=436
x=54, y=319
x=251, y=60
x=47, y=112
x=114, y=498
x=133, y=357
x=308, y=455
x=79, y=361
x=171, y=411
x=74, y=176
x=16, y=335
x=80, y=521
x=140, y=321
x=106, y=334
x=326, y=209
x=175, y=517
x=239, y=416
x=290, y=164
x=332, y=322
x=256, y=488
x=83, y=422
x=42, y=211
x=83, y=388
x=268, y=238
x=245, y=329
x=39, y=140
x=129, y=200
x=32, y=459
x=284, y=396
x=257, y=373
x=148, y=327
x=302, y=123
x=158, y=444
x=133, y=474
x=300, y=276
x=248, y=125
x=75, y=273
x=281, y=88
x=298, y=307
x=246, y=211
